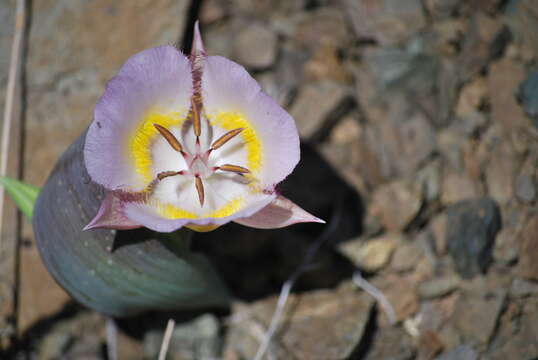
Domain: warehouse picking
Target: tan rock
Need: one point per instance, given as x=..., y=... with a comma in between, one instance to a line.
x=507, y=75
x=371, y=255
x=255, y=46
x=314, y=105
x=396, y=204
x=528, y=265
x=457, y=187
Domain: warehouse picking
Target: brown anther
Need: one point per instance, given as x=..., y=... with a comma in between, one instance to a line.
x=233, y=168
x=170, y=138
x=197, y=126
x=225, y=138
x=166, y=174
x=200, y=188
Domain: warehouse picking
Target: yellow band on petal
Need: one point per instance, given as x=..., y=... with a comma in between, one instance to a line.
x=173, y=212
x=230, y=121
x=144, y=135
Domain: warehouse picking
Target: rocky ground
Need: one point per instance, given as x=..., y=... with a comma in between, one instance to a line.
x=418, y=120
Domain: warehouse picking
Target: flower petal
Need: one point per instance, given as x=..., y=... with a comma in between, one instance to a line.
x=110, y=216
x=279, y=213
x=227, y=87
x=149, y=216
x=155, y=79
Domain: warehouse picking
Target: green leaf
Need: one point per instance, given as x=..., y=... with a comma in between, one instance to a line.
x=23, y=194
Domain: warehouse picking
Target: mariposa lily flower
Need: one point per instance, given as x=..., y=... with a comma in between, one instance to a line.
x=190, y=141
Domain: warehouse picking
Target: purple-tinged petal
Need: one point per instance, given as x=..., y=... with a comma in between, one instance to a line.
x=154, y=79
x=149, y=217
x=227, y=87
x=279, y=213
x=111, y=216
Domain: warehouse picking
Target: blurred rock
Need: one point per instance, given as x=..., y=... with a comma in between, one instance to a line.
x=406, y=256
x=288, y=73
x=438, y=228
x=402, y=142
x=401, y=294
x=476, y=314
x=391, y=343
x=437, y=287
x=255, y=46
x=523, y=288
x=429, y=345
x=528, y=265
x=325, y=25
x=213, y=11
x=442, y=9
x=500, y=171
x=528, y=96
x=522, y=18
x=485, y=40
x=396, y=204
x=506, y=249
x=412, y=68
x=457, y=187
x=519, y=340
x=430, y=179
x=471, y=229
x=525, y=186
x=326, y=64
x=462, y=352
x=196, y=339
x=472, y=96
x=507, y=75
x=345, y=311
x=391, y=21
x=315, y=104
x=77, y=337
x=371, y=255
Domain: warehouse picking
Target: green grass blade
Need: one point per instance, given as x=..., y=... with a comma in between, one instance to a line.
x=23, y=194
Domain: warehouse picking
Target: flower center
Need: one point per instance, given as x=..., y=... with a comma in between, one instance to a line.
x=200, y=165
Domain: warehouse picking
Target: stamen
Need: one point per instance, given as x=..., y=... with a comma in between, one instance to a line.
x=225, y=138
x=166, y=174
x=233, y=168
x=197, y=126
x=200, y=188
x=170, y=138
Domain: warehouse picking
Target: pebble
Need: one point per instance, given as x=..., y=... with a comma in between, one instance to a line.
x=476, y=314
x=196, y=339
x=471, y=229
x=315, y=103
x=406, y=256
x=255, y=46
x=506, y=249
x=389, y=21
x=396, y=204
x=345, y=311
x=523, y=288
x=528, y=95
x=528, y=265
x=438, y=287
x=457, y=187
x=507, y=75
x=462, y=352
x=371, y=255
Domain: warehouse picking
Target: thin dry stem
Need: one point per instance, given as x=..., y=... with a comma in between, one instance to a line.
x=13, y=76
x=166, y=340
x=376, y=294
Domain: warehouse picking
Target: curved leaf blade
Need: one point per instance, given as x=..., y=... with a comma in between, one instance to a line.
x=23, y=195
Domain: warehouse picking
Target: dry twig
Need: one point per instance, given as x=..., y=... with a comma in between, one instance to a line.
x=166, y=340
x=13, y=77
